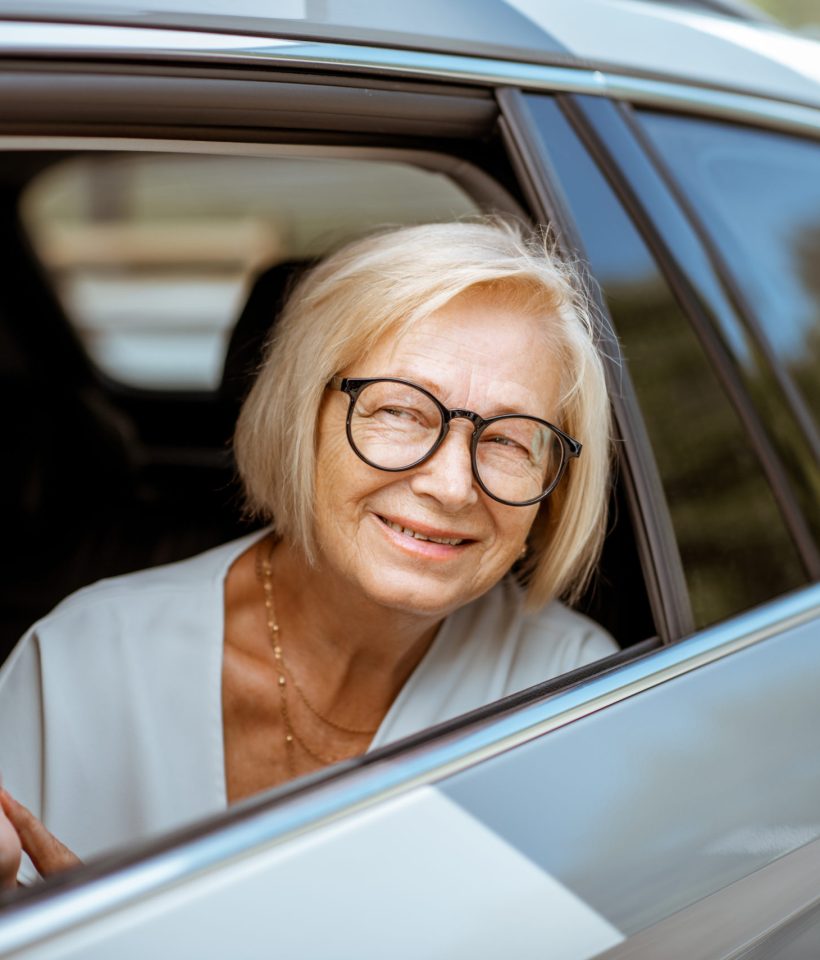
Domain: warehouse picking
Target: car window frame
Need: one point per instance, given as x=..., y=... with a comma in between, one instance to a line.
x=93, y=131
x=396, y=97
x=96, y=123
x=87, y=128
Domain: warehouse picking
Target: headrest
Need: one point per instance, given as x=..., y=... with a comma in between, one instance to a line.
x=264, y=304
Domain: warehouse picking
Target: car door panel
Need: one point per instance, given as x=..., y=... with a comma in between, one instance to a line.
x=665, y=797
x=637, y=791
x=415, y=876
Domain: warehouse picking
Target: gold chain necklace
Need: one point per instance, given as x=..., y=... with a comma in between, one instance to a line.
x=264, y=573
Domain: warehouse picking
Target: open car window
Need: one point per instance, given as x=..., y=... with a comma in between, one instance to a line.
x=153, y=259
x=144, y=264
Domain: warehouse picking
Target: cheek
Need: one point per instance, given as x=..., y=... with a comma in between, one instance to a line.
x=332, y=450
x=332, y=465
x=513, y=525
x=342, y=479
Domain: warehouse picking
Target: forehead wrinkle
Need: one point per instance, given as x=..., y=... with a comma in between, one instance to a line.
x=458, y=357
x=462, y=386
x=432, y=345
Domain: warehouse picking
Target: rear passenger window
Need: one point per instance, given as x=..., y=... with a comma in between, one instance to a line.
x=735, y=548
x=152, y=255
x=771, y=243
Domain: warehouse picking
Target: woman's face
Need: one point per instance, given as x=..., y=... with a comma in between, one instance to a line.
x=477, y=354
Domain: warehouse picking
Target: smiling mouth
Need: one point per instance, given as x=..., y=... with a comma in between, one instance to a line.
x=415, y=535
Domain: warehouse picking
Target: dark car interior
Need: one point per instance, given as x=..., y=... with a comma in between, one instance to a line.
x=102, y=478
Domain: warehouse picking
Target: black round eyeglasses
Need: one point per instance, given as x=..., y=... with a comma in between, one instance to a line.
x=394, y=425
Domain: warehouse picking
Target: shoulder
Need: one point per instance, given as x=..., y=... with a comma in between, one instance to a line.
x=158, y=598
x=575, y=638
x=542, y=643
x=191, y=574
x=488, y=649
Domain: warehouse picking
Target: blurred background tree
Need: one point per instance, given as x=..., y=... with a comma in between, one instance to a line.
x=803, y=15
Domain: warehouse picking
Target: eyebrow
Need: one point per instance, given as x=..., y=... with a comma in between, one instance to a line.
x=437, y=391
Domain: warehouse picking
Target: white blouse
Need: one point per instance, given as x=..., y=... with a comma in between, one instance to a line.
x=111, y=709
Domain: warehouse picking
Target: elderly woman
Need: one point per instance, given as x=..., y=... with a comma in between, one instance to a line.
x=414, y=435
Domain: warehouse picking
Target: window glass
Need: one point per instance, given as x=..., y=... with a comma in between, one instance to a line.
x=758, y=195
x=735, y=548
x=153, y=255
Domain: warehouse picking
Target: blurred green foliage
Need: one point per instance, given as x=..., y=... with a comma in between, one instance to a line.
x=794, y=13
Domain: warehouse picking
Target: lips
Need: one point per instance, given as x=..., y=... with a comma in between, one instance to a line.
x=407, y=531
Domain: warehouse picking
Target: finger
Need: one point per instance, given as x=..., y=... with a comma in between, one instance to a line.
x=46, y=852
x=10, y=852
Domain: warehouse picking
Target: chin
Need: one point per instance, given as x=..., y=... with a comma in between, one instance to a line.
x=416, y=594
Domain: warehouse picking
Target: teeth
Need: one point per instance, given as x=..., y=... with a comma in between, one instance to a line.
x=419, y=536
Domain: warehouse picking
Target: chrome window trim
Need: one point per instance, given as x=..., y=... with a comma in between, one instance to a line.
x=289, y=813
x=77, y=40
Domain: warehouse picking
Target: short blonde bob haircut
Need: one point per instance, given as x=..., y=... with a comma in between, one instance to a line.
x=384, y=284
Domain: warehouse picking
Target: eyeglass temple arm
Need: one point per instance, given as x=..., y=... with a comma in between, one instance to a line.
x=575, y=446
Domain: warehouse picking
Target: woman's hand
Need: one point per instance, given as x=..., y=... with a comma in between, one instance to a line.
x=11, y=849
x=21, y=830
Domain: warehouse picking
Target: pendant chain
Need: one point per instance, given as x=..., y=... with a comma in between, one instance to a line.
x=286, y=678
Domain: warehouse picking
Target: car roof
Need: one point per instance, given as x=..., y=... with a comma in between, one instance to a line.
x=721, y=43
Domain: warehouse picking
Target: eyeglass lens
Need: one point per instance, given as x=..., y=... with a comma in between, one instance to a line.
x=394, y=425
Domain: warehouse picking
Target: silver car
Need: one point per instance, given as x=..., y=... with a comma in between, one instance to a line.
x=165, y=170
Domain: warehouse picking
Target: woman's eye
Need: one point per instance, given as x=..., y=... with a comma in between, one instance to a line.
x=499, y=438
x=502, y=441
x=400, y=412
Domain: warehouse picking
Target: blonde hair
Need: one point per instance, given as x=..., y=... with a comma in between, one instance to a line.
x=384, y=283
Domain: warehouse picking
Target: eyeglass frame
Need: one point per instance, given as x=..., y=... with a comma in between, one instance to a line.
x=353, y=386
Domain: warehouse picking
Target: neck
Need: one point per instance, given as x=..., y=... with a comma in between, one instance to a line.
x=355, y=653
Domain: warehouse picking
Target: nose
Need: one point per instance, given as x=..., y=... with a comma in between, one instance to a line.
x=448, y=475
